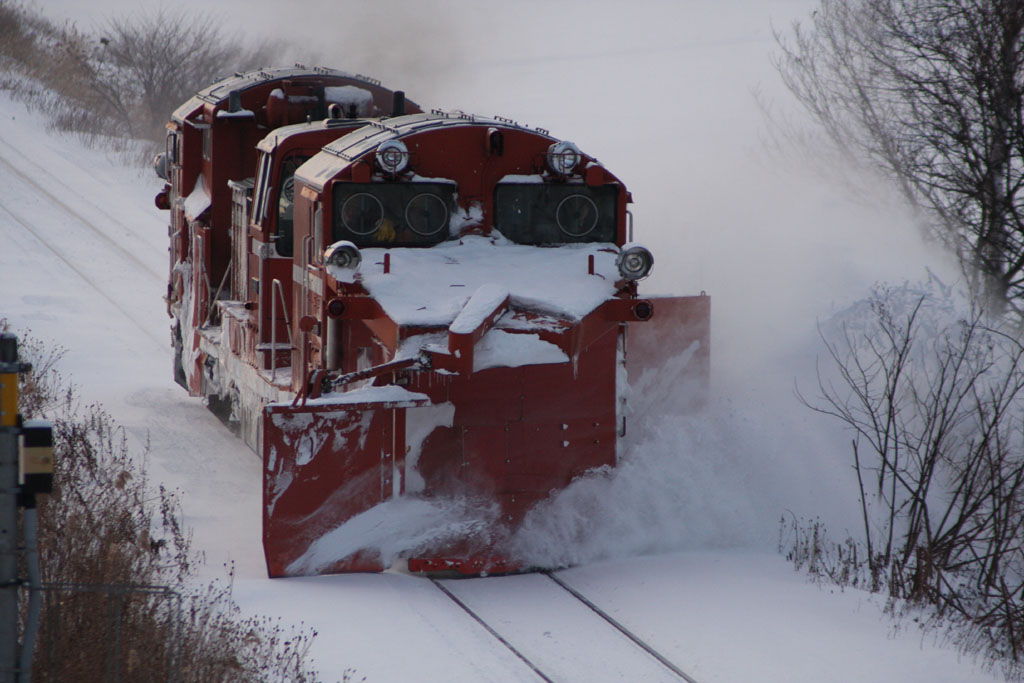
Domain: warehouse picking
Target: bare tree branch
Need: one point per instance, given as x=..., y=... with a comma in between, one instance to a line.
x=938, y=417
x=931, y=93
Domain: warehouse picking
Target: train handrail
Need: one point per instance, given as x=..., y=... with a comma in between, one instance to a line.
x=278, y=291
x=220, y=288
x=204, y=279
x=307, y=258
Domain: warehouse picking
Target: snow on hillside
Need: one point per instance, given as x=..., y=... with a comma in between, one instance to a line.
x=678, y=544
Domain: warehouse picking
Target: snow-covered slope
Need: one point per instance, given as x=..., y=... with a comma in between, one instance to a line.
x=678, y=545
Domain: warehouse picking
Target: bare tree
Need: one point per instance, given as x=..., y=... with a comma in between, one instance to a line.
x=937, y=415
x=161, y=59
x=125, y=80
x=930, y=92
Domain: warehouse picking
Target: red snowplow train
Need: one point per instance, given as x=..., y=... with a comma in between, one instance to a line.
x=390, y=304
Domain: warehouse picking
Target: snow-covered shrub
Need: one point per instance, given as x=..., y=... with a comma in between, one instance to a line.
x=933, y=393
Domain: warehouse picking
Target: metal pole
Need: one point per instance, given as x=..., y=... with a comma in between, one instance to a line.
x=9, y=368
x=30, y=522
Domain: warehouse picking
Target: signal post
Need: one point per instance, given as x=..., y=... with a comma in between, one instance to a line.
x=9, y=584
x=26, y=469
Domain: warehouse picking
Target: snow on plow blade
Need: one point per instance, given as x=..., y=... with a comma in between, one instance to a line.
x=323, y=464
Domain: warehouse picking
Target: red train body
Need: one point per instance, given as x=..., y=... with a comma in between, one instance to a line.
x=432, y=306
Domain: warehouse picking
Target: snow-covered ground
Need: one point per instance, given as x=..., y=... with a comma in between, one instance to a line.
x=679, y=545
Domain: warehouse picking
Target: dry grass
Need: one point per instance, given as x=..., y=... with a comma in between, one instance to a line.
x=116, y=561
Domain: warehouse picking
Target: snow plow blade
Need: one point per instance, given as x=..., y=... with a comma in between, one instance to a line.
x=669, y=356
x=324, y=463
x=508, y=435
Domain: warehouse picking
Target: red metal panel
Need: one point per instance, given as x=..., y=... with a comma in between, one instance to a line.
x=386, y=331
x=322, y=466
x=679, y=329
x=544, y=456
x=584, y=388
x=484, y=458
x=488, y=397
x=360, y=308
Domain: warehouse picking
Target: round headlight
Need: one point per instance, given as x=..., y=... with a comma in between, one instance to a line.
x=343, y=254
x=392, y=156
x=634, y=262
x=563, y=157
x=336, y=308
x=160, y=165
x=643, y=310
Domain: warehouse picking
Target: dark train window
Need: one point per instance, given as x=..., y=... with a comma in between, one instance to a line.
x=262, y=191
x=286, y=205
x=392, y=214
x=543, y=213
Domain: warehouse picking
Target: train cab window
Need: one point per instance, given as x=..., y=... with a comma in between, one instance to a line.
x=286, y=205
x=316, y=225
x=392, y=214
x=207, y=143
x=259, y=202
x=171, y=147
x=548, y=213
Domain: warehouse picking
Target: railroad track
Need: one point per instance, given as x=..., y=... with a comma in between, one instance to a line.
x=537, y=618
x=98, y=233
x=95, y=269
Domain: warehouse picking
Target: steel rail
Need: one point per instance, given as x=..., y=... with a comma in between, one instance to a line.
x=114, y=244
x=611, y=621
x=620, y=628
x=501, y=639
x=46, y=243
